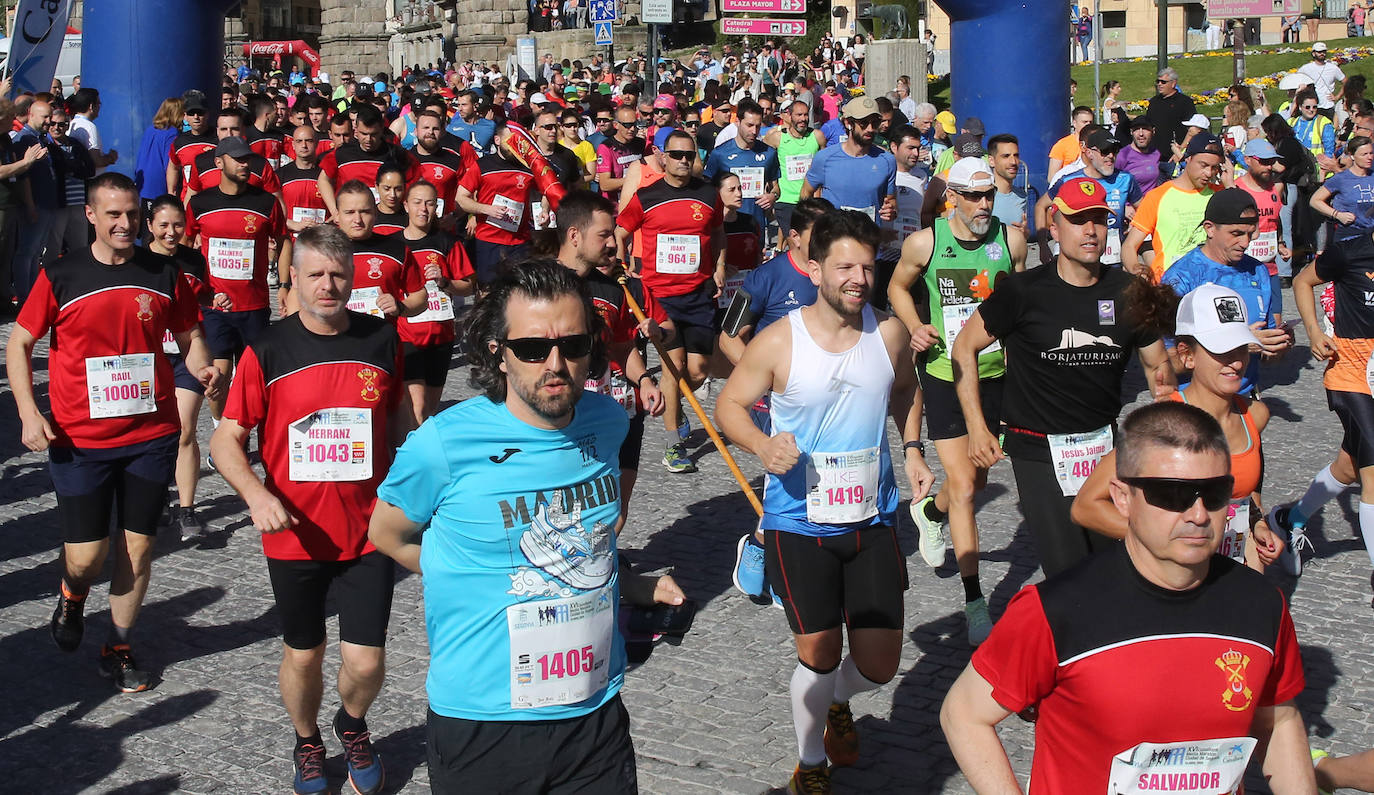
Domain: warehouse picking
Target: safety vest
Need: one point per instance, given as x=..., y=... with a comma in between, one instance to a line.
x=1314, y=133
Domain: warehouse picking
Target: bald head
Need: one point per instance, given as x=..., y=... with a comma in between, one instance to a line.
x=40, y=115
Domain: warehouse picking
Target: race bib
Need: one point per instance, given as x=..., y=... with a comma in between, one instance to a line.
x=364, y=299
x=303, y=214
x=120, y=386
x=440, y=305
x=1264, y=246
x=956, y=316
x=514, y=209
x=439, y=208
x=797, y=166
x=169, y=344
x=185, y=175
x=626, y=160
x=1196, y=767
x=1075, y=456
x=678, y=254
x=727, y=293
x=1237, y=528
x=613, y=385
x=905, y=226
x=231, y=258
x=331, y=445
x=842, y=487
x=560, y=649
x=1111, y=255
x=870, y=211
x=376, y=197
x=750, y=181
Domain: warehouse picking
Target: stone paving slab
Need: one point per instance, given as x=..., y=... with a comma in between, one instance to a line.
x=710, y=715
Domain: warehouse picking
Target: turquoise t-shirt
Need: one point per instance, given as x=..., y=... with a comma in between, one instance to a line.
x=519, y=559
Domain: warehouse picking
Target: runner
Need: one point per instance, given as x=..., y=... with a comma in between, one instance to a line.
x=1347, y=197
x=188, y=145
x=166, y=226
x=205, y=168
x=391, y=214
x=112, y=436
x=442, y=168
x=682, y=265
x=1152, y=606
x=516, y=463
x=955, y=266
x=233, y=223
x=501, y=194
x=1213, y=344
x=742, y=235
x=1068, y=331
x=428, y=337
x=617, y=152
x=752, y=160
x=324, y=373
x=1004, y=155
x=855, y=174
x=1123, y=195
x=913, y=181
x=1171, y=214
x=796, y=144
x=1261, y=182
x=469, y=126
x=387, y=281
x=363, y=153
x=832, y=550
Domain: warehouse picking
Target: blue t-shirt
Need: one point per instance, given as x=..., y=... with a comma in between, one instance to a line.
x=1122, y=189
x=760, y=162
x=1352, y=194
x=834, y=132
x=777, y=287
x=1249, y=278
x=478, y=134
x=519, y=560
x=854, y=183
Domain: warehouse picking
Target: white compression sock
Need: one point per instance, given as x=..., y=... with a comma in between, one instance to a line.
x=214, y=422
x=1367, y=528
x=1324, y=486
x=850, y=681
x=811, y=695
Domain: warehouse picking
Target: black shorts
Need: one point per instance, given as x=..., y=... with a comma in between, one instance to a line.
x=782, y=213
x=856, y=578
x=182, y=377
x=694, y=316
x=487, y=258
x=944, y=415
x=590, y=755
x=362, y=596
x=1355, y=410
x=227, y=334
x=127, y=482
x=429, y=363
x=633, y=444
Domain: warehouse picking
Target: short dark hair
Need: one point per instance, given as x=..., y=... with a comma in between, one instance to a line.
x=237, y=113
x=679, y=135
x=369, y=116
x=904, y=131
x=806, y=212
x=540, y=279
x=163, y=202
x=390, y=167
x=577, y=209
x=1001, y=138
x=1171, y=425
x=747, y=105
x=356, y=186
x=112, y=180
x=1080, y=108
x=84, y=99
x=259, y=104
x=838, y=225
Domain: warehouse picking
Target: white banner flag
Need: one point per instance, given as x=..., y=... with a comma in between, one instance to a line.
x=36, y=43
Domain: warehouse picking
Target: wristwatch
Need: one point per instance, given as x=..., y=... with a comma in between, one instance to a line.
x=918, y=445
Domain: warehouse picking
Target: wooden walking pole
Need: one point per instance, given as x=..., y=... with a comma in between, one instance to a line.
x=686, y=390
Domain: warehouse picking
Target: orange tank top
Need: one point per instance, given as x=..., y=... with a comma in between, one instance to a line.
x=1247, y=466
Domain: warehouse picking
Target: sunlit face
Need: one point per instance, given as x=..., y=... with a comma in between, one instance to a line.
x=167, y=227
x=1230, y=240
x=731, y=196
x=357, y=213
x=844, y=280
x=551, y=388
x=114, y=214
x=321, y=285
x=421, y=206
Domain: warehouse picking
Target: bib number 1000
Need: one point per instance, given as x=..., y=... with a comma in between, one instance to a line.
x=569, y=663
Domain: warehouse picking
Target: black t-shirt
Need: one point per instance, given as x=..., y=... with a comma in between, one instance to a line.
x=1348, y=264
x=565, y=166
x=1169, y=115
x=1067, y=349
x=1295, y=158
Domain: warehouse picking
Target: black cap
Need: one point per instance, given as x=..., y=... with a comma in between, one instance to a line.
x=1102, y=141
x=967, y=145
x=234, y=147
x=1231, y=206
x=974, y=125
x=1142, y=122
x=194, y=102
x=1204, y=143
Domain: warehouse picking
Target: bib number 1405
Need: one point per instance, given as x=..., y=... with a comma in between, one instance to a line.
x=572, y=662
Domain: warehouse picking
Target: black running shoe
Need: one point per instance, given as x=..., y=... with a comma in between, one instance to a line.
x=117, y=664
x=68, y=622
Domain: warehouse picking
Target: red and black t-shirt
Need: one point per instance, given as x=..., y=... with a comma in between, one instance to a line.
x=621, y=328
x=186, y=147
x=234, y=232
x=322, y=405
x=676, y=226
x=300, y=192
x=445, y=170
x=383, y=262
x=742, y=237
x=109, y=382
x=350, y=162
x=269, y=144
x=389, y=223
x=443, y=250
x=1113, y=661
x=205, y=173
x=504, y=183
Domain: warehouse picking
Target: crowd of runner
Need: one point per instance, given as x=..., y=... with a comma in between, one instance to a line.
x=309, y=262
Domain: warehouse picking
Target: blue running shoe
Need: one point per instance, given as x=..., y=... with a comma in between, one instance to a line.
x=748, y=573
x=777, y=600
x=365, y=771
x=685, y=429
x=310, y=770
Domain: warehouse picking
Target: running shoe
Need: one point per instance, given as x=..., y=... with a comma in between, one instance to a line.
x=676, y=460
x=117, y=664
x=68, y=622
x=841, y=737
x=979, y=622
x=187, y=523
x=930, y=534
x=365, y=770
x=310, y=778
x=685, y=429
x=773, y=596
x=210, y=463
x=810, y=780
x=748, y=574
x=1317, y=757
x=1294, y=536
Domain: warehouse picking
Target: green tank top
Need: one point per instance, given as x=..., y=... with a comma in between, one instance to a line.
x=959, y=277
x=794, y=158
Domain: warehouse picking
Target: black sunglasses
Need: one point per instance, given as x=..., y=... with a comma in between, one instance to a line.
x=1179, y=494
x=603, y=120
x=570, y=124
x=537, y=349
x=629, y=125
x=979, y=195
x=548, y=126
x=691, y=124
x=681, y=154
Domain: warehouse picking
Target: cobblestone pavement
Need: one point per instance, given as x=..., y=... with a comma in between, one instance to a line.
x=710, y=715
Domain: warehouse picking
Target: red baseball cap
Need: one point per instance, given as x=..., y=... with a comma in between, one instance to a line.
x=1080, y=195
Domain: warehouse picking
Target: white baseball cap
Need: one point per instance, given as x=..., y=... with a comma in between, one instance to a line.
x=1319, y=47
x=1215, y=317
x=970, y=173
x=1199, y=121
